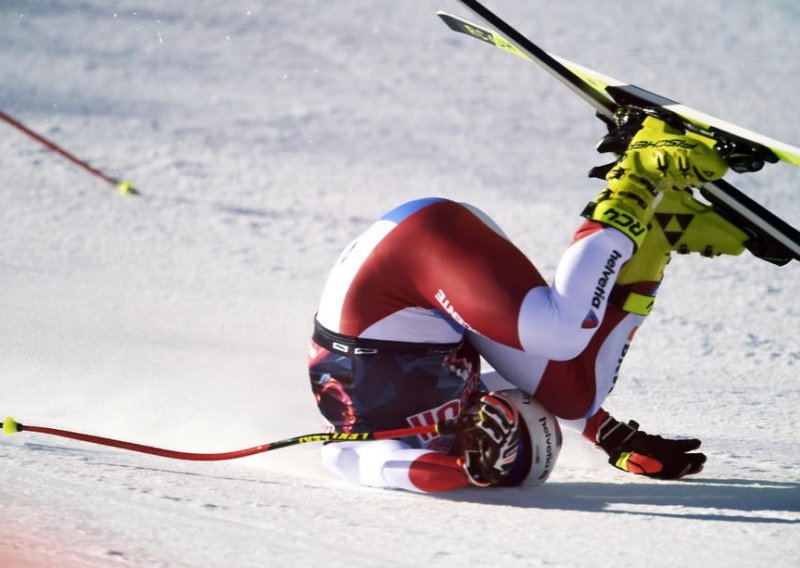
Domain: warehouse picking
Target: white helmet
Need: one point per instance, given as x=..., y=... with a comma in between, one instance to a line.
x=540, y=441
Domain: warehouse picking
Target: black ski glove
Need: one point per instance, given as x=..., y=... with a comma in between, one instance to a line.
x=634, y=451
x=489, y=439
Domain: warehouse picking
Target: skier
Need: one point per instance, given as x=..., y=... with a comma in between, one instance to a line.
x=412, y=304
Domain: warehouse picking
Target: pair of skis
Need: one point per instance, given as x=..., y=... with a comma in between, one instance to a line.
x=619, y=105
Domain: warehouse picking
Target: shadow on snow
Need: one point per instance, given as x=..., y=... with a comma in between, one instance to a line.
x=736, y=500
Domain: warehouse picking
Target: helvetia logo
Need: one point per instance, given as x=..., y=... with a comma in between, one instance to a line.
x=590, y=321
x=602, y=282
x=548, y=452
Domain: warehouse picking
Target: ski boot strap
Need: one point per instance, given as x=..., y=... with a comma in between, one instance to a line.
x=637, y=298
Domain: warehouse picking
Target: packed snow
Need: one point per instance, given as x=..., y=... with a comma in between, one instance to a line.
x=263, y=135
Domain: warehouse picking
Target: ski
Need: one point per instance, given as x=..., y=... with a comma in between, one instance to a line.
x=615, y=102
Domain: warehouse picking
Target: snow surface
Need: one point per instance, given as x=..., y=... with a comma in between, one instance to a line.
x=263, y=136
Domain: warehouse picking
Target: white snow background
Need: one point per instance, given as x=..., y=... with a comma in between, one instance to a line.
x=263, y=136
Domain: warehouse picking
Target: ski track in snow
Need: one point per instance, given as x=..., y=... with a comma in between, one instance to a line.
x=263, y=137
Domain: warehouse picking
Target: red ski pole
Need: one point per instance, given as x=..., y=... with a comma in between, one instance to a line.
x=124, y=187
x=11, y=426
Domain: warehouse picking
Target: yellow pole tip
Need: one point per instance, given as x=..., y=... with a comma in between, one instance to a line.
x=10, y=426
x=126, y=188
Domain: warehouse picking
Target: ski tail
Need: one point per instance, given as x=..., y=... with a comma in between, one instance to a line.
x=771, y=238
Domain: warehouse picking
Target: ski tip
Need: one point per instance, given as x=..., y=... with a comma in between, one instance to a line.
x=10, y=426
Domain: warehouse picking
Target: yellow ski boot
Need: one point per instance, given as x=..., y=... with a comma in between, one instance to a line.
x=658, y=160
x=691, y=226
x=649, y=199
x=680, y=224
